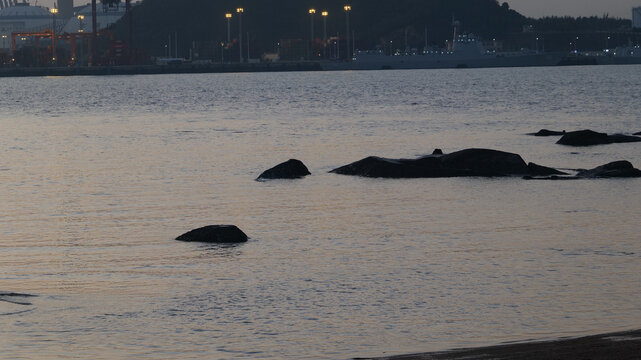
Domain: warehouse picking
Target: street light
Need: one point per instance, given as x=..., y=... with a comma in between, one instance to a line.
x=81, y=25
x=311, y=41
x=347, y=9
x=325, y=14
x=53, y=12
x=240, y=12
x=228, y=17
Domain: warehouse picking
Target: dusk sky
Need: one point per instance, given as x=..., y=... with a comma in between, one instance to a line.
x=616, y=8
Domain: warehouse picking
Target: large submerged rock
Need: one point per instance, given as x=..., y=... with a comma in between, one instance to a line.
x=290, y=169
x=589, y=138
x=215, y=234
x=468, y=162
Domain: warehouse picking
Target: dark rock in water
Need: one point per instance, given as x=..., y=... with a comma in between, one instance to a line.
x=538, y=170
x=377, y=167
x=485, y=162
x=215, y=234
x=617, y=169
x=469, y=162
x=546, y=132
x=614, y=169
x=620, y=138
x=584, y=138
x=589, y=137
x=437, y=152
x=290, y=169
x=639, y=133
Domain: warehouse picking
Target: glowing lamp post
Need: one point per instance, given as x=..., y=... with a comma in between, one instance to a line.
x=325, y=14
x=310, y=47
x=81, y=25
x=53, y=12
x=347, y=9
x=228, y=17
x=311, y=41
x=240, y=12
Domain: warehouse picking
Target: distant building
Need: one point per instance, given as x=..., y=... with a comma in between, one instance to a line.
x=636, y=17
x=22, y=17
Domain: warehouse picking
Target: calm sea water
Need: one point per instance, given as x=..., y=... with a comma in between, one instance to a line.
x=99, y=174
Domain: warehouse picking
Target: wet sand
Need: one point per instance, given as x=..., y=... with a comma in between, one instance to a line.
x=621, y=345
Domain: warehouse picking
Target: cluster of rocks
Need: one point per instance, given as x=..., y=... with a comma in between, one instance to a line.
x=468, y=162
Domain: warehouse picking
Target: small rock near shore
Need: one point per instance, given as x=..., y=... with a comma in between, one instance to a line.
x=218, y=234
x=290, y=169
x=546, y=132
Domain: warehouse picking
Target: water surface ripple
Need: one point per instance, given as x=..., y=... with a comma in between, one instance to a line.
x=99, y=174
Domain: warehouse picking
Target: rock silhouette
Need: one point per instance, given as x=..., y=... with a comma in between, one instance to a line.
x=616, y=169
x=215, y=234
x=468, y=162
x=290, y=169
x=546, y=132
x=620, y=168
x=589, y=138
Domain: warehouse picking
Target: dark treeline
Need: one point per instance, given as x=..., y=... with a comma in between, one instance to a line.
x=580, y=24
x=374, y=22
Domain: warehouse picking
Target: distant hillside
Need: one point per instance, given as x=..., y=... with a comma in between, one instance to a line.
x=267, y=21
x=375, y=22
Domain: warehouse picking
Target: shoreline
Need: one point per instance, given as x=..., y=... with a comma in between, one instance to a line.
x=219, y=68
x=158, y=69
x=617, y=345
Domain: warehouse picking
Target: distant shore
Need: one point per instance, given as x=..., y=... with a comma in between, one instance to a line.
x=158, y=69
x=192, y=68
x=624, y=345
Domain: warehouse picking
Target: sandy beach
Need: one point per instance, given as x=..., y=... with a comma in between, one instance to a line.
x=620, y=345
